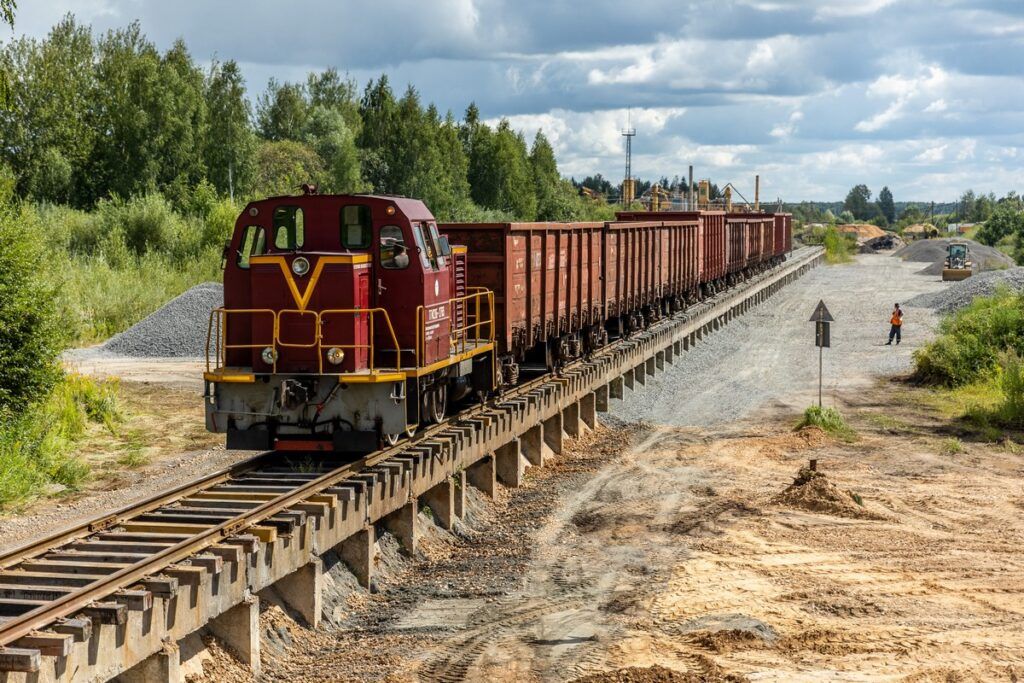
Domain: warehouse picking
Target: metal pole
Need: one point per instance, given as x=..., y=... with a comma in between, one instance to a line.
x=821, y=351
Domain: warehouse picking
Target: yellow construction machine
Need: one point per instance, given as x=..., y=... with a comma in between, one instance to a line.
x=957, y=266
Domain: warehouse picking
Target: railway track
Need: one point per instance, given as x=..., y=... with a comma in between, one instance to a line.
x=74, y=605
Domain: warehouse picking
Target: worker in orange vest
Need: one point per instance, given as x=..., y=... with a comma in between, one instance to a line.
x=897, y=323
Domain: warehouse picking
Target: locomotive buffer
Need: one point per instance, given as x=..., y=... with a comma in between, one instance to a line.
x=822, y=319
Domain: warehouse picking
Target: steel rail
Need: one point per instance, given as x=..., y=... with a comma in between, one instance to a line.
x=23, y=625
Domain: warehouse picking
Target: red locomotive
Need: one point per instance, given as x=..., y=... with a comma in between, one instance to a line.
x=352, y=319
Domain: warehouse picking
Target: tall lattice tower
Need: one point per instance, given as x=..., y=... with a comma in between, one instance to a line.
x=627, y=184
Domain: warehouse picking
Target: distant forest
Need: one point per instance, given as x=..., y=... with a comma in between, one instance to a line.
x=93, y=117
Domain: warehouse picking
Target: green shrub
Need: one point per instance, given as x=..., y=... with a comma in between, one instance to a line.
x=1011, y=381
x=971, y=340
x=838, y=246
x=828, y=420
x=30, y=332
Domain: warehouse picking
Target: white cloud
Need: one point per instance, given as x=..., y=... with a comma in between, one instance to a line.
x=903, y=91
x=932, y=155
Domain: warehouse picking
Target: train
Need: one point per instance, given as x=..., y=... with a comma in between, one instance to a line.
x=350, y=321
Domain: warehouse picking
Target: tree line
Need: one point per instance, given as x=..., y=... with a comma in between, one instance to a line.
x=91, y=117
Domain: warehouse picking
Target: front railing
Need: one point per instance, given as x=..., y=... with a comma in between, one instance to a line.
x=471, y=325
x=217, y=347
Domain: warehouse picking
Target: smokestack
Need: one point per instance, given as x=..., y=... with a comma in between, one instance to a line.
x=689, y=190
x=757, y=193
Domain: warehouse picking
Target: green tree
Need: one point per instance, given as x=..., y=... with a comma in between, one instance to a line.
x=7, y=8
x=230, y=148
x=547, y=185
x=283, y=166
x=886, y=205
x=333, y=141
x=858, y=202
x=179, y=123
x=379, y=113
x=499, y=172
x=126, y=158
x=1006, y=220
x=328, y=89
x=282, y=111
x=47, y=133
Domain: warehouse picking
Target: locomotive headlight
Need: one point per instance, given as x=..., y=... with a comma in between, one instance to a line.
x=269, y=355
x=300, y=266
x=335, y=355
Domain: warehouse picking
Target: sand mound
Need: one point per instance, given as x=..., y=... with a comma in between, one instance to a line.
x=636, y=674
x=813, y=491
x=863, y=232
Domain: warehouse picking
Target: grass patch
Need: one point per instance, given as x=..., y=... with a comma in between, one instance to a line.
x=828, y=420
x=36, y=447
x=952, y=446
x=134, y=448
x=101, y=298
x=888, y=423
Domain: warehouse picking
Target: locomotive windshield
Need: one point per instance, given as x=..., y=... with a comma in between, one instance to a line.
x=356, y=227
x=289, y=228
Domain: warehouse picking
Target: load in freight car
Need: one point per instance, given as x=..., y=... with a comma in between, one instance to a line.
x=351, y=320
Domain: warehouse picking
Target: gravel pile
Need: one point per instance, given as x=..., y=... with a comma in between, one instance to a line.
x=933, y=252
x=960, y=294
x=176, y=330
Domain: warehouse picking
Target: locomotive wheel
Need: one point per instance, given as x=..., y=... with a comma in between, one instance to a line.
x=438, y=404
x=390, y=439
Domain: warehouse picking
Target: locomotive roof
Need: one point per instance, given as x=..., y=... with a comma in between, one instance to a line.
x=414, y=209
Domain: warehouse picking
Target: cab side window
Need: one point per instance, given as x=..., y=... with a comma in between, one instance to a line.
x=394, y=253
x=289, y=228
x=426, y=249
x=356, y=227
x=254, y=243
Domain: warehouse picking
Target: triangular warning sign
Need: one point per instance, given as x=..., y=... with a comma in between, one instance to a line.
x=821, y=314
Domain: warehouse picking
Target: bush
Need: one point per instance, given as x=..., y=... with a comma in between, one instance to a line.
x=1011, y=381
x=971, y=340
x=828, y=420
x=30, y=332
x=839, y=247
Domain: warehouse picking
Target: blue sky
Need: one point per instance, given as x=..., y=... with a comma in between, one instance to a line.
x=926, y=96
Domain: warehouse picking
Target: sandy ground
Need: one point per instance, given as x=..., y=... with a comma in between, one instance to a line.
x=179, y=373
x=671, y=540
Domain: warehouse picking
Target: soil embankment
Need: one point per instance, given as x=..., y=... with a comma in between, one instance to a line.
x=676, y=546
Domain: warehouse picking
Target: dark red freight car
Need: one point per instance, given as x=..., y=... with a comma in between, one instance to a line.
x=546, y=279
x=712, y=250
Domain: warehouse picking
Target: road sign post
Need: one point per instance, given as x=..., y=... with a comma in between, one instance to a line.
x=822, y=319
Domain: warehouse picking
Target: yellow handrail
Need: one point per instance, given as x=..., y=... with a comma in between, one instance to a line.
x=220, y=344
x=372, y=312
x=477, y=315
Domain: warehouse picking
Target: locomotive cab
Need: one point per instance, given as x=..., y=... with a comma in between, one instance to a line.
x=346, y=322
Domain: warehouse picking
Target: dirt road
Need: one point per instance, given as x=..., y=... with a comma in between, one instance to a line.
x=664, y=541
